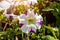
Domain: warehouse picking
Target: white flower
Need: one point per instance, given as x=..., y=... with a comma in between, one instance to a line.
x=32, y=1
x=9, y=15
x=15, y=17
x=30, y=22
x=4, y=5
x=28, y=2
x=11, y=1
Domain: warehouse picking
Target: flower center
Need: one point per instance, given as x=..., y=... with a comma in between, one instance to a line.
x=30, y=20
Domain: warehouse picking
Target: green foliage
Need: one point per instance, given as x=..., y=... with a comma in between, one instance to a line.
x=48, y=37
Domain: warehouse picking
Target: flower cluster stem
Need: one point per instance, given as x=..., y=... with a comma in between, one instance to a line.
x=16, y=38
x=5, y=26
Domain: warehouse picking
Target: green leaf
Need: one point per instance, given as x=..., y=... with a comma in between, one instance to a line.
x=48, y=37
x=33, y=35
x=3, y=33
x=48, y=9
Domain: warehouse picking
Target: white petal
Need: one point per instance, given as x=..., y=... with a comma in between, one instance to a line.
x=25, y=29
x=39, y=18
x=22, y=16
x=8, y=15
x=33, y=1
x=25, y=2
x=38, y=25
x=11, y=1
x=15, y=17
x=4, y=4
x=33, y=27
x=30, y=13
x=33, y=12
x=23, y=21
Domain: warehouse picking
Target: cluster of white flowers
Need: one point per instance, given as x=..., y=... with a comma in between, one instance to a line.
x=28, y=22
x=5, y=4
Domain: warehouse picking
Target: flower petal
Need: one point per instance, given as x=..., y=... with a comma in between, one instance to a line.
x=41, y=22
x=25, y=29
x=9, y=15
x=32, y=28
x=22, y=16
x=22, y=21
x=38, y=25
x=31, y=12
x=39, y=18
x=33, y=1
x=4, y=4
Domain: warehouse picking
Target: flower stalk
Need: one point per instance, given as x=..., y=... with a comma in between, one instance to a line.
x=16, y=37
x=5, y=26
x=50, y=28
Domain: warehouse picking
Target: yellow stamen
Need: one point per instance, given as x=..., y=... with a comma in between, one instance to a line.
x=30, y=20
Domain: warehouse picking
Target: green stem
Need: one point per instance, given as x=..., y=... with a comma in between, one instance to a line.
x=22, y=36
x=28, y=37
x=53, y=33
x=50, y=28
